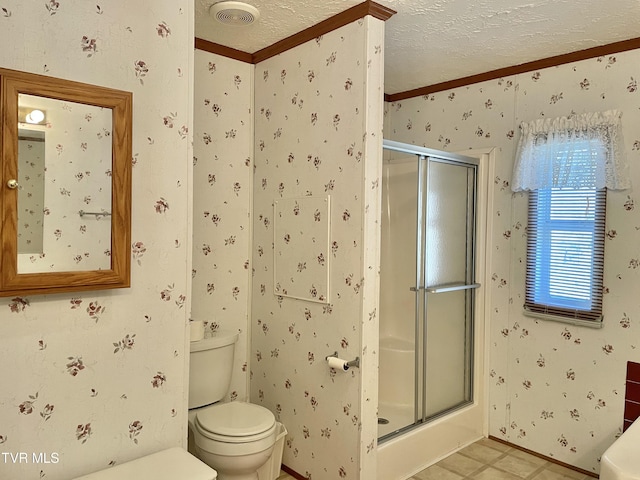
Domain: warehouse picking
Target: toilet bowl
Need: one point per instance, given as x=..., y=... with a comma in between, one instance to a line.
x=237, y=437
x=621, y=460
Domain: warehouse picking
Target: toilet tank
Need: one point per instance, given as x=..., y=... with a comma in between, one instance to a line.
x=210, y=368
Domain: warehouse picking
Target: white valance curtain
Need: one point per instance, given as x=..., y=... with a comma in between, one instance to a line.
x=580, y=151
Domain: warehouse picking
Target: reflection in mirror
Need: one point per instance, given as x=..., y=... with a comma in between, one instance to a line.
x=73, y=188
x=31, y=153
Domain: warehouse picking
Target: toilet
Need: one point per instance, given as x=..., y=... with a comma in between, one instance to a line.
x=621, y=461
x=237, y=439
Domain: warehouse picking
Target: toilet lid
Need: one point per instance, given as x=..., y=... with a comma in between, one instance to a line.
x=235, y=419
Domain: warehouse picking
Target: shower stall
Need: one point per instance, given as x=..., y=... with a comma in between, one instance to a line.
x=428, y=303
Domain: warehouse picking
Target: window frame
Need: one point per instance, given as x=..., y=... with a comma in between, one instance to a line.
x=538, y=296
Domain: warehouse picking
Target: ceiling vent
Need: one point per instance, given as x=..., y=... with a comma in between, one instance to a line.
x=234, y=13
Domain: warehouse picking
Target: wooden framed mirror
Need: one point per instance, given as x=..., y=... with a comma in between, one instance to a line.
x=65, y=186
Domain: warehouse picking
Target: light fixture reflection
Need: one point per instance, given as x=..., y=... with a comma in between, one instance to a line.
x=32, y=115
x=35, y=117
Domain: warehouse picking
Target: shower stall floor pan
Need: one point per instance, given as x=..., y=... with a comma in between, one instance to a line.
x=398, y=416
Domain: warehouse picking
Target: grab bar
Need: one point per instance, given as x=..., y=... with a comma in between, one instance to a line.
x=451, y=288
x=446, y=288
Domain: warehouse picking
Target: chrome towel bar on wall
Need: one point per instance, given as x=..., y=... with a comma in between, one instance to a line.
x=447, y=288
x=82, y=213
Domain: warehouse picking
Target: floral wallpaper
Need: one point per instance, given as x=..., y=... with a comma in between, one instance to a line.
x=31, y=155
x=301, y=262
x=97, y=378
x=555, y=388
x=222, y=185
x=318, y=122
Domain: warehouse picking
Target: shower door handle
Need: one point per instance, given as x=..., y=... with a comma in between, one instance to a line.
x=451, y=288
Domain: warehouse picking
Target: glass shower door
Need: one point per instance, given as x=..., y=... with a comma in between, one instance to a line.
x=398, y=342
x=427, y=289
x=448, y=272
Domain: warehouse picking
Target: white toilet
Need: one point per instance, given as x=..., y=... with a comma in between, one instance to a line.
x=235, y=438
x=621, y=461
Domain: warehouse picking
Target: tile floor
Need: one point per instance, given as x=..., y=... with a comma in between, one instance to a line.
x=490, y=460
x=285, y=476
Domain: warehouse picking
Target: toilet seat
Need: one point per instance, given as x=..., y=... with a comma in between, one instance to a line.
x=235, y=422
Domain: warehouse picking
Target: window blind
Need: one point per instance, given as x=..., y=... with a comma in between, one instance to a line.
x=565, y=252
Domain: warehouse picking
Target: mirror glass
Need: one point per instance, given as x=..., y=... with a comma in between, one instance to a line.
x=64, y=185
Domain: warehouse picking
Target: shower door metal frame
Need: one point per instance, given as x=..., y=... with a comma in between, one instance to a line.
x=420, y=368
x=424, y=155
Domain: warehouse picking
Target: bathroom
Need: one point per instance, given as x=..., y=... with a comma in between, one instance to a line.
x=119, y=406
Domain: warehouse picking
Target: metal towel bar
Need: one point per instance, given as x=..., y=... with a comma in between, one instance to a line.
x=82, y=213
x=447, y=288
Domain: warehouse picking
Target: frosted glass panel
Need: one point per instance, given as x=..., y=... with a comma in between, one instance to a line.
x=449, y=236
x=448, y=351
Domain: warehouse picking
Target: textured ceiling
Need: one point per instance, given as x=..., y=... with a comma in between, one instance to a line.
x=432, y=41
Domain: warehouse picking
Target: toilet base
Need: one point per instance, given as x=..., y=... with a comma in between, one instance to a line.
x=243, y=467
x=248, y=476
x=270, y=470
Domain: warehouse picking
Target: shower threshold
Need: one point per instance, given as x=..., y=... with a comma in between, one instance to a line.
x=394, y=420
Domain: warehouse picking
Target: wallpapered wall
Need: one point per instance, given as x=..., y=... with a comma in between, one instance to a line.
x=100, y=377
x=556, y=389
x=318, y=123
x=296, y=112
x=222, y=185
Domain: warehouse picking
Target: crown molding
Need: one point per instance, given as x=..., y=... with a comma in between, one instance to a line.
x=333, y=23
x=554, y=61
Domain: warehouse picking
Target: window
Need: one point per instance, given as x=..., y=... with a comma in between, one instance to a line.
x=565, y=253
x=567, y=164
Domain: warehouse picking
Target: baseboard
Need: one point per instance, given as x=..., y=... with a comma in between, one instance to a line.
x=544, y=457
x=293, y=473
